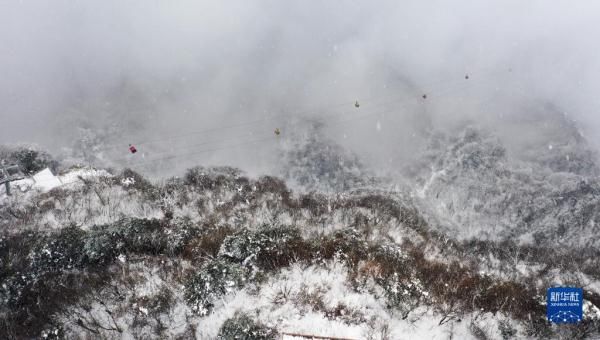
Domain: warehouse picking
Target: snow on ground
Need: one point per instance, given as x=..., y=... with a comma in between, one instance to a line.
x=106, y=203
x=142, y=288
x=590, y=311
x=301, y=300
x=23, y=185
x=76, y=175
x=46, y=181
x=315, y=299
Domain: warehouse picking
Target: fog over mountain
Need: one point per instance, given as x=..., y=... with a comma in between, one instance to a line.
x=247, y=169
x=141, y=72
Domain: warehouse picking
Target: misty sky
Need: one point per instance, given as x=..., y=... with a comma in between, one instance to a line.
x=142, y=70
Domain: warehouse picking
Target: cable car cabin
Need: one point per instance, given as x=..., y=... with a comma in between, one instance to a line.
x=356, y=104
x=132, y=149
x=277, y=132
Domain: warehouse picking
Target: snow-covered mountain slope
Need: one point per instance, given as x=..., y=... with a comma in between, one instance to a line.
x=217, y=254
x=479, y=190
x=313, y=162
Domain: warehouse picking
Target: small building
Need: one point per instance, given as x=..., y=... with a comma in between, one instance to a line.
x=45, y=180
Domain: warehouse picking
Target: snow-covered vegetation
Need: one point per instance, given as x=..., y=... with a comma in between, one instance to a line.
x=218, y=255
x=290, y=170
x=481, y=192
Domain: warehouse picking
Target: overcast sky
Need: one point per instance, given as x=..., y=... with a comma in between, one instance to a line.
x=150, y=69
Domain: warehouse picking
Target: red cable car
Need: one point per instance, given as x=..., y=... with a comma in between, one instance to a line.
x=132, y=148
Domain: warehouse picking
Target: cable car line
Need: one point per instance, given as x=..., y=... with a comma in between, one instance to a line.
x=262, y=120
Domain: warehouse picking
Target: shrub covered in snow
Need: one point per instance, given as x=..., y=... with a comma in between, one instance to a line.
x=346, y=245
x=105, y=242
x=242, y=327
x=131, y=180
x=211, y=178
x=59, y=251
x=213, y=281
x=402, y=295
x=268, y=247
x=394, y=272
x=54, y=333
x=42, y=272
x=507, y=331
x=31, y=160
